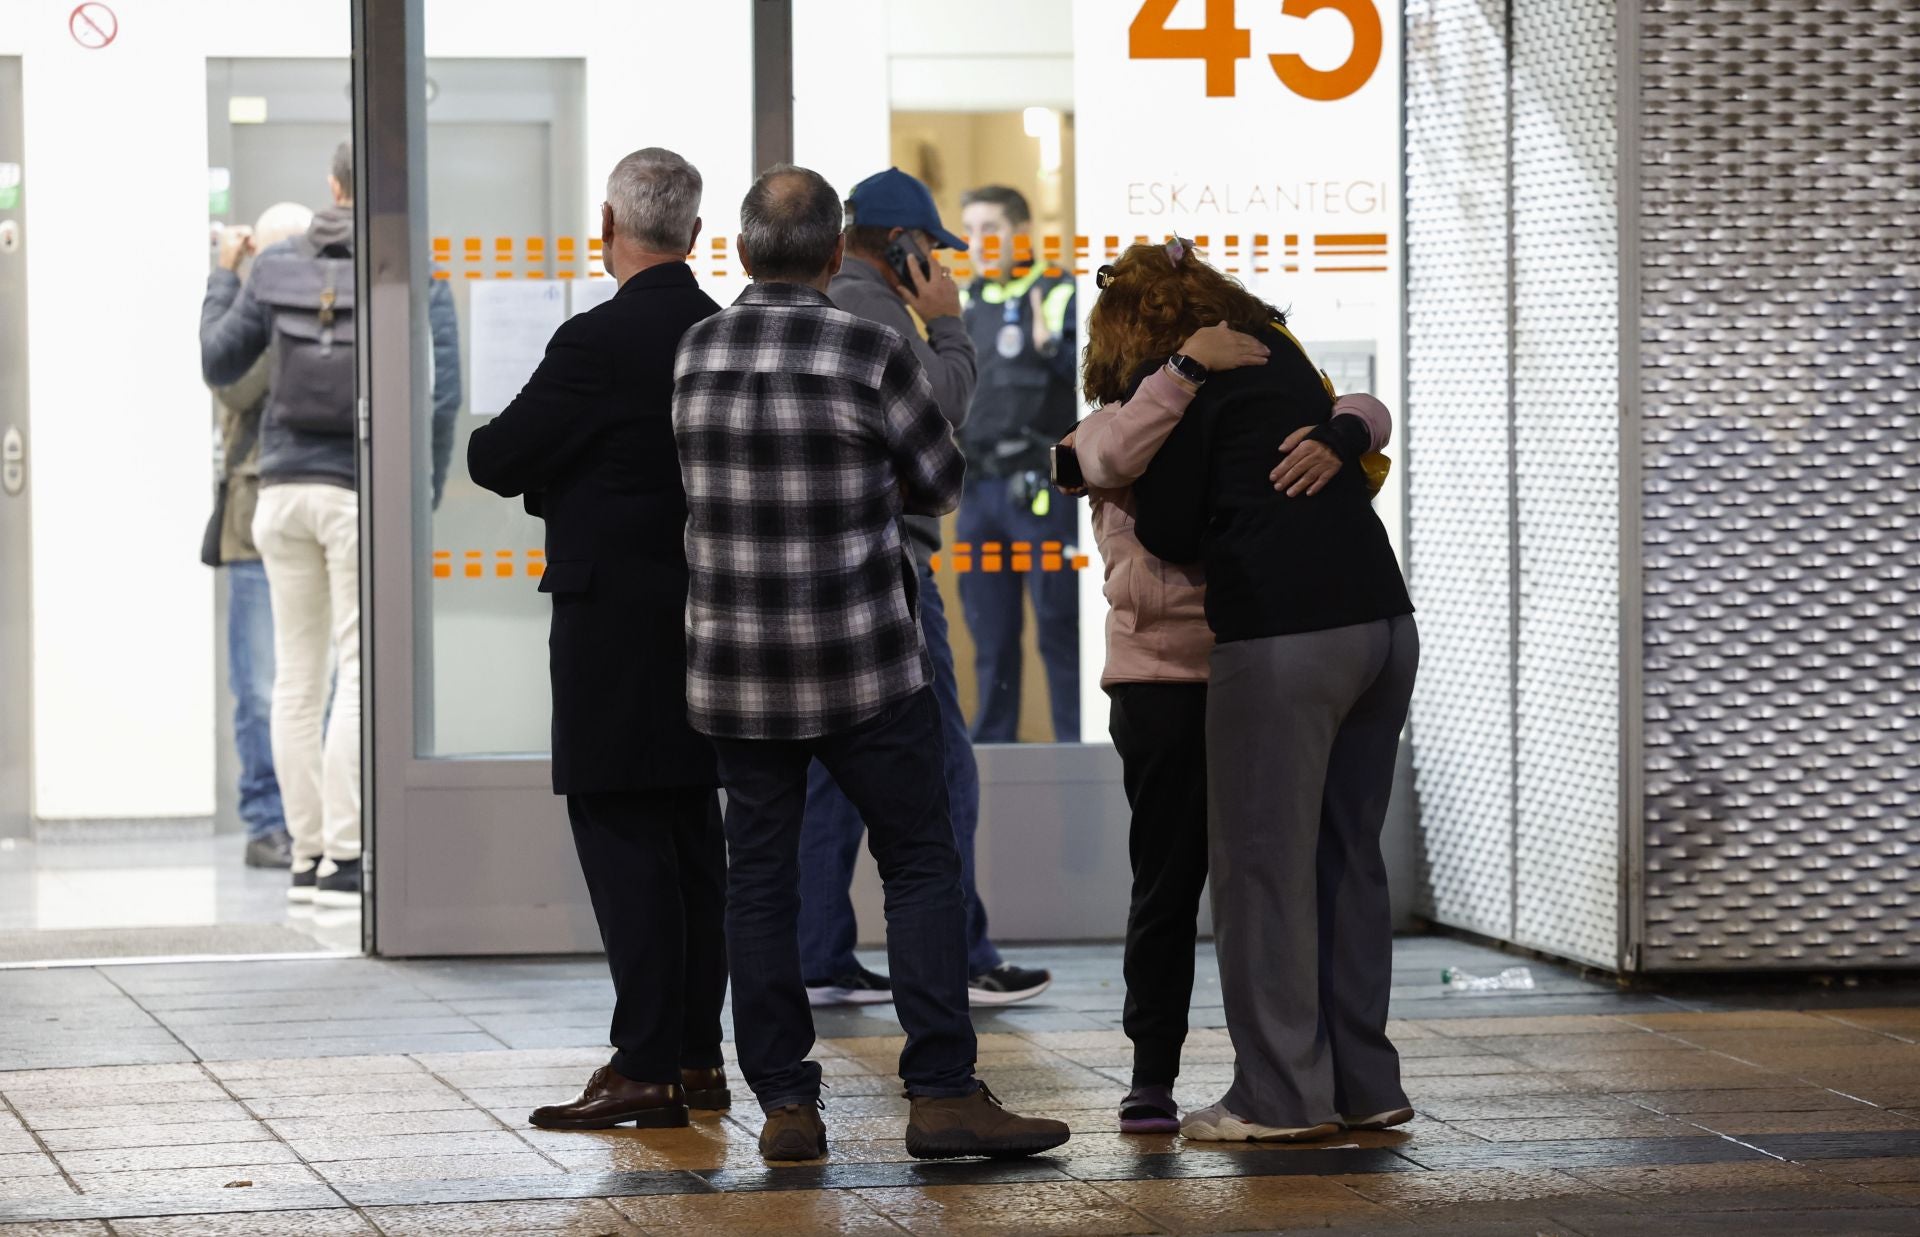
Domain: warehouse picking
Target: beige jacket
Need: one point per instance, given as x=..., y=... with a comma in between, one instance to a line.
x=1156, y=611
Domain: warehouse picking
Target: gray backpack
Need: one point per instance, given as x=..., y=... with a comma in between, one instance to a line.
x=310, y=294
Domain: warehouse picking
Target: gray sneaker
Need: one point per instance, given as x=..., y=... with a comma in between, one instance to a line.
x=273, y=850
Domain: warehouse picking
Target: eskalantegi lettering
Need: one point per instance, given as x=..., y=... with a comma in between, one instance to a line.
x=1157, y=198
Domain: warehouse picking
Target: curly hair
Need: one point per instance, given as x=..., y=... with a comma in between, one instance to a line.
x=1149, y=307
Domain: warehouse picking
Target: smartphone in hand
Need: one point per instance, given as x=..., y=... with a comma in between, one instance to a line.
x=1064, y=465
x=910, y=266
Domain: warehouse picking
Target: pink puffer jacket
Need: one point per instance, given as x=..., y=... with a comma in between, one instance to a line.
x=1156, y=617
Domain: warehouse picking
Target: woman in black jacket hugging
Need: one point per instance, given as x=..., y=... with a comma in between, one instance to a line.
x=1311, y=675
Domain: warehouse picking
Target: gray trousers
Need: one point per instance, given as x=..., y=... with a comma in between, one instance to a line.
x=1302, y=732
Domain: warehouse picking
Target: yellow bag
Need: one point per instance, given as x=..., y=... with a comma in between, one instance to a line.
x=1374, y=465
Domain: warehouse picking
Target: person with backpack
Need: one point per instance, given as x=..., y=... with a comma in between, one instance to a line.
x=299, y=301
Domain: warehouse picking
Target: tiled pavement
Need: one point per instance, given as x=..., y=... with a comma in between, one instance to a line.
x=363, y=1096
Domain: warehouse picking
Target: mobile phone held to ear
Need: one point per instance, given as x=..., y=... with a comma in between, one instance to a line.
x=910, y=267
x=1064, y=463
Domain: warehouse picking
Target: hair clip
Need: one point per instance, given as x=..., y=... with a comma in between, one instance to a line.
x=1178, y=249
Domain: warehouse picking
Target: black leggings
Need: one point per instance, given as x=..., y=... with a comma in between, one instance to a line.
x=1160, y=731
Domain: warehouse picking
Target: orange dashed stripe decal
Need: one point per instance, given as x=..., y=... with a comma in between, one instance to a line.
x=565, y=257
x=959, y=558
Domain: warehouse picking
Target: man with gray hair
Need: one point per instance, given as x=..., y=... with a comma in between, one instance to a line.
x=805, y=434
x=588, y=444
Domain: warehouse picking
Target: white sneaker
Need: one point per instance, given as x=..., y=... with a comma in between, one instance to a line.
x=1379, y=1120
x=1217, y=1125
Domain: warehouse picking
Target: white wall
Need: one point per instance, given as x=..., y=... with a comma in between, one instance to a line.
x=116, y=249
x=117, y=222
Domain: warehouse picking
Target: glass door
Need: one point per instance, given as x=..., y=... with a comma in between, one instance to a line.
x=487, y=152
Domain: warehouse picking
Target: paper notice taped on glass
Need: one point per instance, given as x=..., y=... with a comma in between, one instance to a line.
x=512, y=322
x=590, y=292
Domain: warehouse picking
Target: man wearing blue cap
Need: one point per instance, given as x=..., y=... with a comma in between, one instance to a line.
x=889, y=277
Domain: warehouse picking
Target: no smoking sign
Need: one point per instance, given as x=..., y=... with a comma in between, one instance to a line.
x=93, y=26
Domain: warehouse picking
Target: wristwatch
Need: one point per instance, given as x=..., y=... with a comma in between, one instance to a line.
x=1188, y=368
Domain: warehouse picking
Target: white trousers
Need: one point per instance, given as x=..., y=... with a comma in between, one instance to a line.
x=309, y=539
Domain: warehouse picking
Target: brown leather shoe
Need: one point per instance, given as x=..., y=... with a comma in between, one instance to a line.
x=794, y=1133
x=611, y=1099
x=948, y=1129
x=706, y=1088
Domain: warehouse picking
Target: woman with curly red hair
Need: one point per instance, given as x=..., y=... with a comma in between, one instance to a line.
x=1311, y=664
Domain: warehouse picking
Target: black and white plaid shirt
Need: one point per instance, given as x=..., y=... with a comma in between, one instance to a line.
x=804, y=433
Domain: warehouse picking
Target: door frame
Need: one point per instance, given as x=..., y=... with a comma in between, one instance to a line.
x=16, y=529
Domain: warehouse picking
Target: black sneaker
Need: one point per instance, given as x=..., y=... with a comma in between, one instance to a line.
x=862, y=987
x=1006, y=984
x=274, y=850
x=304, y=879
x=339, y=885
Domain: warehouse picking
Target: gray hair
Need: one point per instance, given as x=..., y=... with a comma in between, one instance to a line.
x=342, y=168
x=655, y=196
x=789, y=223
x=280, y=221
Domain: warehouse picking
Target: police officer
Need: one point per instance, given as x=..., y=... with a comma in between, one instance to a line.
x=1022, y=322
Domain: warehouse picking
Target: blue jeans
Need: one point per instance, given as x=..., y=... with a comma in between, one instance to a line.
x=890, y=766
x=830, y=838
x=995, y=610
x=250, y=674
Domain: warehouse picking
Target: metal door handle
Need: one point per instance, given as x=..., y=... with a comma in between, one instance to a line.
x=13, y=462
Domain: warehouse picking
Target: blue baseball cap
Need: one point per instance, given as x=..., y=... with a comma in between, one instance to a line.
x=893, y=199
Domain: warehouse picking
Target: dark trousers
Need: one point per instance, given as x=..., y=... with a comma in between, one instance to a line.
x=830, y=840
x=656, y=867
x=992, y=604
x=892, y=768
x=1160, y=731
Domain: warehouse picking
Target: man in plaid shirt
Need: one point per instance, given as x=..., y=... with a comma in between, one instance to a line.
x=804, y=435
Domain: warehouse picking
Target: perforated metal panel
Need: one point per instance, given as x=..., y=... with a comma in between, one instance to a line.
x=1459, y=549
x=1566, y=412
x=1780, y=326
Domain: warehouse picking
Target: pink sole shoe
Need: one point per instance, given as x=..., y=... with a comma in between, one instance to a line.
x=1150, y=1109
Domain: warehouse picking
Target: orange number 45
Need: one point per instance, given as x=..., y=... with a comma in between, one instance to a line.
x=1221, y=45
